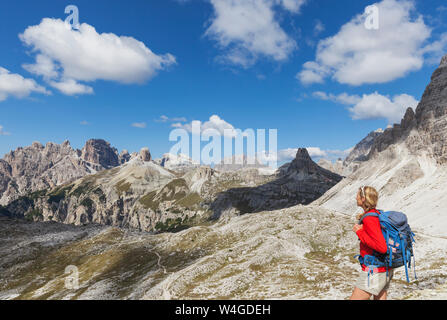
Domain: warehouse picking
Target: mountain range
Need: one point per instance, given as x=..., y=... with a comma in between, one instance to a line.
x=238, y=234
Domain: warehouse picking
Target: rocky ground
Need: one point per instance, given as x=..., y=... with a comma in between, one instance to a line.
x=303, y=252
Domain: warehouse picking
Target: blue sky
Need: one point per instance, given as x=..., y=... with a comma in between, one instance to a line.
x=292, y=65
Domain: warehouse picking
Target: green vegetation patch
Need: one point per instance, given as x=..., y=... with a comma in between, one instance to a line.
x=172, y=225
x=34, y=214
x=88, y=203
x=170, y=191
x=102, y=197
x=26, y=200
x=59, y=194
x=83, y=188
x=190, y=201
x=123, y=186
x=37, y=194
x=149, y=202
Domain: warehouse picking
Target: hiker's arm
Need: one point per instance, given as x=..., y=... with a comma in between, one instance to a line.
x=371, y=235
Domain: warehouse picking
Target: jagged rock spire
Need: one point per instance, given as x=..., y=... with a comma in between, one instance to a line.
x=100, y=152
x=443, y=61
x=145, y=155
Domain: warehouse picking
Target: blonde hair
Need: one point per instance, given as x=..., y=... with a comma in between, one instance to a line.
x=371, y=197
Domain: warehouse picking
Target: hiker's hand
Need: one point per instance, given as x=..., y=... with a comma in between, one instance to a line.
x=357, y=227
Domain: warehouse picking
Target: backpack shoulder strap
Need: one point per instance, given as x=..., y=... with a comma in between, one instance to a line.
x=371, y=214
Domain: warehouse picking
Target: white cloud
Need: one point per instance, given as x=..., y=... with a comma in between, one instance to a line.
x=215, y=122
x=248, y=29
x=376, y=106
x=70, y=87
x=356, y=55
x=292, y=5
x=312, y=73
x=436, y=50
x=373, y=106
x=84, y=123
x=319, y=27
x=140, y=125
x=342, y=98
x=66, y=57
x=44, y=66
x=316, y=152
x=4, y=133
x=12, y=84
x=164, y=118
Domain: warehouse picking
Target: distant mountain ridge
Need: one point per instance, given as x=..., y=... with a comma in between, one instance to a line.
x=142, y=194
x=358, y=154
x=178, y=162
x=38, y=167
x=298, y=182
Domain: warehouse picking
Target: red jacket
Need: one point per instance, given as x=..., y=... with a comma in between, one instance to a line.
x=372, y=239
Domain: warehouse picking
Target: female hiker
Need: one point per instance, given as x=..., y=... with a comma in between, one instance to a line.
x=372, y=281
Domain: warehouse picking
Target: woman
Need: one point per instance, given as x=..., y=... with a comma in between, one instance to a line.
x=372, y=242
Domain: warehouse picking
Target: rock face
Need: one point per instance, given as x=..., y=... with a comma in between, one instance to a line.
x=305, y=167
x=361, y=150
x=178, y=163
x=124, y=157
x=100, y=152
x=299, y=182
x=239, y=163
x=431, y=114
x=143, y=195
x=444, y=61
x=407, y=164
x=336, y=167
x=138, y=195
x=423, y=131
x=145, y=155
x=39, y=167
x=356, y=157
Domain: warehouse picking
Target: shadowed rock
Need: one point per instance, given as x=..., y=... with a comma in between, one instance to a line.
x=100, y=152
x=299, y=182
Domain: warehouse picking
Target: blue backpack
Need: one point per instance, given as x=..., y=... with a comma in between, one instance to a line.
x=399, y=240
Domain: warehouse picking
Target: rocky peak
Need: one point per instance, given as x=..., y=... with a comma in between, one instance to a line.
x=38, y=167
x=443, y=61
x=409, y=120
x=124, y=156
x=177, y=162
x=426, y=129
x=145, y=155
x=298, y=182
x=362, y=149
x=434, y=100
x=100, y=152
x=5, y=168
x=302, y=162
x=304, y=167
x=303, y=154
x=37, y=145
x=66, y=143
